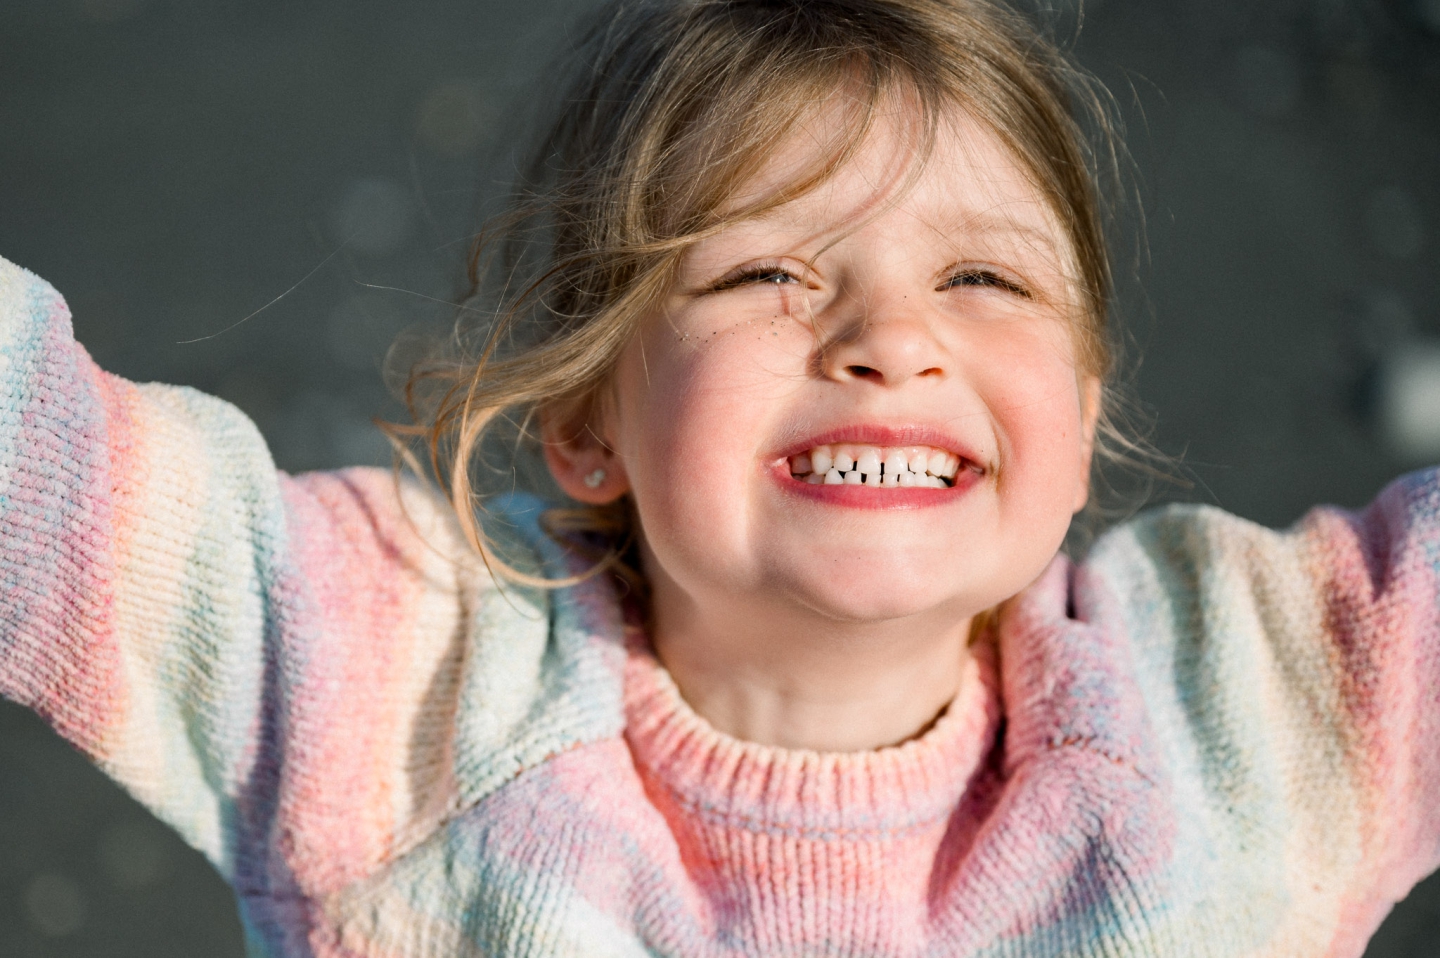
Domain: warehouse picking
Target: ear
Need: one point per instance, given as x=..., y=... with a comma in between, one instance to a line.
x=1091, y=396
x=582, y=462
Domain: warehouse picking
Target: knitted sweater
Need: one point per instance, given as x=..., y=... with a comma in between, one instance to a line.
x=1208, y=738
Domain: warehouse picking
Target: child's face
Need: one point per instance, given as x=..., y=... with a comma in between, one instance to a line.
x=936, y=325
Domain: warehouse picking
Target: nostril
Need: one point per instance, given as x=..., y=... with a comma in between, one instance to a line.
x=932, y=371
x=863, y=372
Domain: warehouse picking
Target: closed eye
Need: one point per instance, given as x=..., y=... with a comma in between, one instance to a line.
x=756, y=274
x=985, y=278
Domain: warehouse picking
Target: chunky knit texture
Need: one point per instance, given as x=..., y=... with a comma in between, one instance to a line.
x=1207, y=739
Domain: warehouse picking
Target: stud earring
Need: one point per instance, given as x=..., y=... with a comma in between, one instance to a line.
x=593, y=480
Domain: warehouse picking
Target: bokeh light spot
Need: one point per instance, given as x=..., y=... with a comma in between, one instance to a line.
x=54, y=905
x=1410, y=401
x=373, y=216
x=133, y=855
x=454, y=118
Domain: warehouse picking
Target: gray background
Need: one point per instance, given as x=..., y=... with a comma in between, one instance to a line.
x=172, y=167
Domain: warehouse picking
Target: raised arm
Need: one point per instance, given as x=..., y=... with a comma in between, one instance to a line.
x=1290, y=683
x=270, y=664
x=1377, y=574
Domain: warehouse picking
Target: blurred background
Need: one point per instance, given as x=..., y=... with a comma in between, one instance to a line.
x=255, y=197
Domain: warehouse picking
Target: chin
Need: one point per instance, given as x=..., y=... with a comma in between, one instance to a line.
x=887, y=584
x=871, y=598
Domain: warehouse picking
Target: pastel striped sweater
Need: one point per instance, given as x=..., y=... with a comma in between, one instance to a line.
x=1207, y=739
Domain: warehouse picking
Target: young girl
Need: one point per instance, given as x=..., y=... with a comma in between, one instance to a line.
x=807, y=316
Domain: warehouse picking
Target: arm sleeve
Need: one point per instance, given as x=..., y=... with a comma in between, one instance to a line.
x=268, y=663
x=1377, y=576
x=1292, y=685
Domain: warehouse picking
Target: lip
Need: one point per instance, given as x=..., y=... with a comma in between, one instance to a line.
x=884, y=497
x=881, y=498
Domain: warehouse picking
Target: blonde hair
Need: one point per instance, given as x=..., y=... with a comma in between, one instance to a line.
x=672, y=105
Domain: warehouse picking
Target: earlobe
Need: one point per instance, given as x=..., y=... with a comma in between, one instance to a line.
x=583, y=465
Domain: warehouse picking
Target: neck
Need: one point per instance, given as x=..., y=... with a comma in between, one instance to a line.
x=790, y=678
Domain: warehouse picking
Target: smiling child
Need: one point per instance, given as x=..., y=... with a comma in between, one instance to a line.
x=875, y=322
x=814, y=337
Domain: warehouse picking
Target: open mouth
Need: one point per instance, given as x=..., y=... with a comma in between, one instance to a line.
x=849, y=464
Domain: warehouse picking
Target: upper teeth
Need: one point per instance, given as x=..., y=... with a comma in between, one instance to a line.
x=876, y=466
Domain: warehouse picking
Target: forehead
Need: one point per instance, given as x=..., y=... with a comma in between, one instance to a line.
x=963, y=180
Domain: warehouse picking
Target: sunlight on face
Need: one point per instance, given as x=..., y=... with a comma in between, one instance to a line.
x=862, y=323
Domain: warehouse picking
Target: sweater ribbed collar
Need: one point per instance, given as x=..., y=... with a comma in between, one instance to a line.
x=871, y=795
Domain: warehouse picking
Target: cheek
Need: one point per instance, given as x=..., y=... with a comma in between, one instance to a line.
x=710, y=379
x=695, y=421
x=1035, y=399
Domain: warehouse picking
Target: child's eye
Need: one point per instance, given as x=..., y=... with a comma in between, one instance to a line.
x=759, y=273
x=985, y=277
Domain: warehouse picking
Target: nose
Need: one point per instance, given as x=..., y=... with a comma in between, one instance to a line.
x=887, y=345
